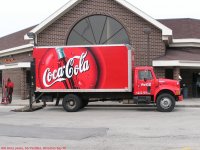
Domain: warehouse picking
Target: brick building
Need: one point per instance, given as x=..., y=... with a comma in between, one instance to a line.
x=173, y=44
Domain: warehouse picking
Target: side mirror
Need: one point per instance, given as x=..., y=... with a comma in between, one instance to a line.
x=180, y=78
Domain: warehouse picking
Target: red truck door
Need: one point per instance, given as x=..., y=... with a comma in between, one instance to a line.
x=144, y=82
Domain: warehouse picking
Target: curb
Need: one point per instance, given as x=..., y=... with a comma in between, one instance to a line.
x=192, y=106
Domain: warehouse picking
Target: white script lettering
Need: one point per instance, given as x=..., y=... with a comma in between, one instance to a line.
x=57, y=75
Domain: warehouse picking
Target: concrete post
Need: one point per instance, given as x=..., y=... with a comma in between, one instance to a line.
x=176, y=73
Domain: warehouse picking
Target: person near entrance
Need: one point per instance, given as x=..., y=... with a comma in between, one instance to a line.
x=198, y=86
x=9, y=86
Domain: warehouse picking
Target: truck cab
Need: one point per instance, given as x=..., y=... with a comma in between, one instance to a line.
x=163, y=92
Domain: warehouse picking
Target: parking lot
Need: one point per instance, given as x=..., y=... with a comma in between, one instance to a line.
x=101, y=128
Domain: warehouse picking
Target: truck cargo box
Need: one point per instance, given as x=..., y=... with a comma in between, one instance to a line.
x=100, y=68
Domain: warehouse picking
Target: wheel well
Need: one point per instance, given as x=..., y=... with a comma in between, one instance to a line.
x=165, y=91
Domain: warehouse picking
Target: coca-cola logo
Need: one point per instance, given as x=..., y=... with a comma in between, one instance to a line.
x=52, y=76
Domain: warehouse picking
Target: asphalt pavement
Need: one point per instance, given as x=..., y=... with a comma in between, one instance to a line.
x=100, y=128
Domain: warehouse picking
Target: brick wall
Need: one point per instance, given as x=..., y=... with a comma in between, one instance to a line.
x=15, y=76
x=160, y=72
x=57, y=33
x=18, y=75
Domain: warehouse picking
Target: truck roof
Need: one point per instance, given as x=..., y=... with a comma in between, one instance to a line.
x=143, y=67
x=127, y=45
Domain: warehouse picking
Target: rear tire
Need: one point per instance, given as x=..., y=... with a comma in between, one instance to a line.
x=165, y=103
x=72, y=103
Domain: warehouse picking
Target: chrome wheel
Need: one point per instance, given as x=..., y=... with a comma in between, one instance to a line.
x=165, y=103
x=71, y=104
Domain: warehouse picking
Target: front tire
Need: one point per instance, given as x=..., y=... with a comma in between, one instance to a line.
x=165, y=103
x=72, y=103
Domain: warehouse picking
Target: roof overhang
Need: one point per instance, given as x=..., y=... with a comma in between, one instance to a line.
x=16, y=50
x=166, y=32
x=15, y=65
x=190, y=42
x=176, y=63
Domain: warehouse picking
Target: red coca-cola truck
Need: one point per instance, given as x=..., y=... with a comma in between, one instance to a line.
x=80, y=74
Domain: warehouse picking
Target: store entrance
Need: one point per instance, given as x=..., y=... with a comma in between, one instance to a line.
x=190, y=82
x=196, y=84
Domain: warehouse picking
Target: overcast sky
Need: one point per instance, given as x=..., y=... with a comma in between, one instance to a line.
x=19, y=14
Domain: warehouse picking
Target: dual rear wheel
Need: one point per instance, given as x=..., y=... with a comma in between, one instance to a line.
x=73, y=103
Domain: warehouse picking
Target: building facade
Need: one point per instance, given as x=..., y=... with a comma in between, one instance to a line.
x=87, y=22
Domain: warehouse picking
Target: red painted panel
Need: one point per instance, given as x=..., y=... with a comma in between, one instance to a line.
x=94, y=67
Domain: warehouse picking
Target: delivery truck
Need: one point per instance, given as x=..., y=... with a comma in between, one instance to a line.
x=81, y=74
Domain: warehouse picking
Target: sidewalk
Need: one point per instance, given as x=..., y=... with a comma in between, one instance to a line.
x=190, y=102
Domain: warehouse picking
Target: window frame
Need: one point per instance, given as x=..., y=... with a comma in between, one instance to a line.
x=124, y=40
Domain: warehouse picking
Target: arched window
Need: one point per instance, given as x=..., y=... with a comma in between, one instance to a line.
x=98, y=29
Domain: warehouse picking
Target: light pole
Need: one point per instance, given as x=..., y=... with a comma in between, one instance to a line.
x=32, y=36
x=147, y=31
